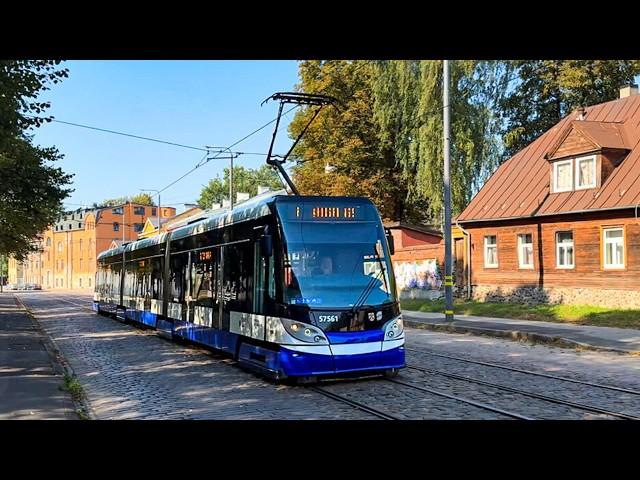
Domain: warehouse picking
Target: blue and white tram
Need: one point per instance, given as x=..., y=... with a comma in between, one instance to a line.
x=292, y=286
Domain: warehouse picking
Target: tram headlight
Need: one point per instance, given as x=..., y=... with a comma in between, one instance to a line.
x=303, y=331
x=393, y=328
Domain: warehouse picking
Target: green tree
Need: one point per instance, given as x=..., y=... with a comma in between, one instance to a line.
x=544, y=91
x=245, y=180
x=140, y=198
x=408, y=110
x=345, y=139
x=143, y=199
x=31, y=190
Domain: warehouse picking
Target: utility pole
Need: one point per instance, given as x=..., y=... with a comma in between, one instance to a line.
x=231, y=183
x=231, y=156
x=448, y=276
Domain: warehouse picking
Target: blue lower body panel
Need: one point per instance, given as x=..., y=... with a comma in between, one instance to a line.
x=278, y=361
x=212, y=337
x=295, y=363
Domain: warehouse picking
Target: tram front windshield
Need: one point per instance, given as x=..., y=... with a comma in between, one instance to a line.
x=336, y=265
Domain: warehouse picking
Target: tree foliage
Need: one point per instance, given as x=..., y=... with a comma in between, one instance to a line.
x=140, y=198
x=544, y=91
x=246, y=180
x=345, y=139
x=31, y=190
x=386, y=143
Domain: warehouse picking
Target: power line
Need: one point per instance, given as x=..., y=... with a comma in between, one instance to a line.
x=140, y=137
x=204, y=162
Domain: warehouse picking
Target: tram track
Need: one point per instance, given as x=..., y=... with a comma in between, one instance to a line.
x=378, y=410
x=480, y=405
x=546, y=398
x=353, y=403
x=528, y=372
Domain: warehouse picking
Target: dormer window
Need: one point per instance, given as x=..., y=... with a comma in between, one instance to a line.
x=585, y=172
x=563, y=176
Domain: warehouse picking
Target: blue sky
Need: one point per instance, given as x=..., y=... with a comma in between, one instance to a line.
x=195, y=103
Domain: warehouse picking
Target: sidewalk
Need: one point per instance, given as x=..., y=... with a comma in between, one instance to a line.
x=622, y=340
x=30, y=375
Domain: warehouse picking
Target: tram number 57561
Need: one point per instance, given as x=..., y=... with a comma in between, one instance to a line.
x=328, y=318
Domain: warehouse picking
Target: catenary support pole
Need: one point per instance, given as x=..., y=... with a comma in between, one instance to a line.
x=448, y=276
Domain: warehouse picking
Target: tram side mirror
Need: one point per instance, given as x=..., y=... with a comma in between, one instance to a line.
x=266, y=245
x=392, y=247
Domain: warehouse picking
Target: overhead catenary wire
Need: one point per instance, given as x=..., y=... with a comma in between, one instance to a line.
x=139, y=137
x=206, y=159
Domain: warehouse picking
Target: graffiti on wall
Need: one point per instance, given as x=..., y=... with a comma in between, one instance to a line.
x=419, y=274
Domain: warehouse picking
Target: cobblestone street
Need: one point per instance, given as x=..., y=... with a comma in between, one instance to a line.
x=130, y=373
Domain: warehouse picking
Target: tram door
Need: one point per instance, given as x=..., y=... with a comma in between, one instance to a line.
x=203, y=300
x=264, y=285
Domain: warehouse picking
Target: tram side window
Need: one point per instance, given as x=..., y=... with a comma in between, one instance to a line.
x=237, y=279
x=177, y=276
x=116, y=270
x=142, y=270
x=204, y=268
x=129, y=279
x=157, y=265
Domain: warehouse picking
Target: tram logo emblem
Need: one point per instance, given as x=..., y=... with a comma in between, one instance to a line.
x=372, y=316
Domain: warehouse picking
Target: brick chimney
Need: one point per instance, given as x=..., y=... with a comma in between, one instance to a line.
x=628, y=90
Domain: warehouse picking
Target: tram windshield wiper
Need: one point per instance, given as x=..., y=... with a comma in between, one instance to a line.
x=369, y=288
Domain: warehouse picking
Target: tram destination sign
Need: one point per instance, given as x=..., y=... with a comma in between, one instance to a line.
x=327, y=212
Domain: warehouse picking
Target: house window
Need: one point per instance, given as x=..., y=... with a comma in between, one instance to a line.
x=80, y=248
x=490, y=251
x=59, y=246
x=138, y=227
x=564, y=250
x=48, y=242
x=585, y=172
x=117, y=211
x=80, y=282
x=138, y=210
x=116, y=226
x=153, y=212
x=563, y=176
x=613, y=247
x=525, y=250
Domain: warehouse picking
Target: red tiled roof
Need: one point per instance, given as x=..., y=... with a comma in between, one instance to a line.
x=520, y=186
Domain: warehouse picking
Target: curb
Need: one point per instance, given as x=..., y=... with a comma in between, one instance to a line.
x=60, y=364
x=517, y=335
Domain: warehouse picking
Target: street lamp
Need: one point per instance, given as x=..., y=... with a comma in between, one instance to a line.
x=159, y=208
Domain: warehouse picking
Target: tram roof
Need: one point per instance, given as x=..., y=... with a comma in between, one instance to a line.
x=254, y=208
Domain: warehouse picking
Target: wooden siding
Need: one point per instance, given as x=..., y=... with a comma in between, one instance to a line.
x=574, y=144
x=588, y=271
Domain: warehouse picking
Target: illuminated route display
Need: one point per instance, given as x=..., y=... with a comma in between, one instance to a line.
x=329, y=212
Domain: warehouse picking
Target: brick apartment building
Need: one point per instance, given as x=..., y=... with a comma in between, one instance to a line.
x=68, y=249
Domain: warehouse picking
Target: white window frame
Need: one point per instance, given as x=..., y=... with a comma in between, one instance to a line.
x=521, y=251
x=612, y=266
x=556, y=165
x=495, y=245
x=577, y=174
x=565, y=245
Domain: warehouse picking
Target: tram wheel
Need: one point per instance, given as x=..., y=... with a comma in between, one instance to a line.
x=391, y=372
